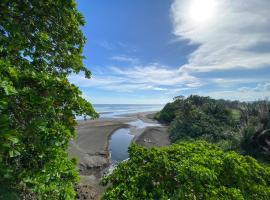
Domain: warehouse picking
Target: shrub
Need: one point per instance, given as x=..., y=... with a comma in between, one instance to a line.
x=188, y=170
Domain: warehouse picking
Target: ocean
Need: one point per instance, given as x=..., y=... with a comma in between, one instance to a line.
x=116, y=110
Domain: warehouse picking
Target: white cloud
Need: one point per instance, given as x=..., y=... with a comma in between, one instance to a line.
x=112, y=83
x=174, y=91
x=106, y=45
x=263, y=87
x=229, y=82
x=236, y=95
x=157, y=75
x=123, y=58
x=234, y=37
x=259, y=92
x=120, y=46
x=153, y=77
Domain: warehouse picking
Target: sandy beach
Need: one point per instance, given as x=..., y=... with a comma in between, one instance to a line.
x=91, y=146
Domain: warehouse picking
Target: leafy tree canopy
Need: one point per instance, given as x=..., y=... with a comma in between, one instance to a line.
x=188, y=170
x=40, y=45
x=197, y=117
x=233, y=125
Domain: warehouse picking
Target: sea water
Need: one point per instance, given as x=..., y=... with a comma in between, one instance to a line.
x=116, y=110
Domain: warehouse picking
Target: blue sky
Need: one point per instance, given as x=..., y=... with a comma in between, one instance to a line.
x=150, y=51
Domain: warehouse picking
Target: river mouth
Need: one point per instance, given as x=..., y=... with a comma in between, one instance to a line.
x=119, y=144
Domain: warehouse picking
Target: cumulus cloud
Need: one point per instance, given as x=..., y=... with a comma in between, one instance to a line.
x=235, y=36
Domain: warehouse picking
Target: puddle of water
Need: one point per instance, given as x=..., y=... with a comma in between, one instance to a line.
x=139, y=124
x=119, y=143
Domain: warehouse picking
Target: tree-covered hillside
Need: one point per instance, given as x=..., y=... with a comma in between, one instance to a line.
x=232, y=125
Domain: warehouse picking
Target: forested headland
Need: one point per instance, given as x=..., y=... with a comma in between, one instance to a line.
x=232, y=125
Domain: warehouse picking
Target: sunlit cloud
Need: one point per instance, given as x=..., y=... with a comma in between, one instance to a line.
x=233, y=36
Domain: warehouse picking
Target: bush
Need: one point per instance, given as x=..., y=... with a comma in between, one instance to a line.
x=188, y=170
x=167, y=114
x=197, y=117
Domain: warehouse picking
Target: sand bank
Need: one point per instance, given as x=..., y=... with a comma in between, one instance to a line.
x=90, y=146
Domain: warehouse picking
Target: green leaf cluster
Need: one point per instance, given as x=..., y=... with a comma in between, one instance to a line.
x=198, y=117
x=41, y=43
x=188, y=170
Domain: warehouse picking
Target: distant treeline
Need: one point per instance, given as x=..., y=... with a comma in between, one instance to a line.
x=232, y=125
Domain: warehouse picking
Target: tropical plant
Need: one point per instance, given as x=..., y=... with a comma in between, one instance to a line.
x=197, y=117
x=232, y=125
x=188, y=170
x=40, y=45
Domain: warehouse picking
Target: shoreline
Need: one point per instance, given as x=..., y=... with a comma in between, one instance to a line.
x=91, y=146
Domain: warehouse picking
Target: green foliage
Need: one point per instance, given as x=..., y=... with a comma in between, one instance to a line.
x=199, y=117
x=197, y=169
x=232, y=125
x=255, y=129
x=6, y=193
x=236, y=114
x=40, y=45
x=254, y=140
x=188, y=170
x=167, y=114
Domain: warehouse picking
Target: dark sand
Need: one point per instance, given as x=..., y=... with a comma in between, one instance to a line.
x=154, y=137
x=90, y=147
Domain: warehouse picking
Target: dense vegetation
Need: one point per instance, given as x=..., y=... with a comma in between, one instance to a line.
x=40, y=45
x=233, y=125
x=186, y=170
x=201, y=164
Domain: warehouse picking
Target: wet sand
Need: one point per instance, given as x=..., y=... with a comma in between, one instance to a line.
x=154, y=137
x=91, y=149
